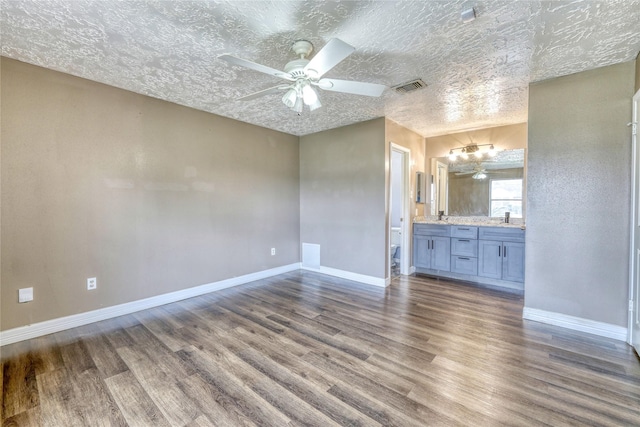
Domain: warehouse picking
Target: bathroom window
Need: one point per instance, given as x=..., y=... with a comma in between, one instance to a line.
x=506, y=196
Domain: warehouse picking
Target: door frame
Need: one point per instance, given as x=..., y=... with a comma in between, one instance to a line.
x=436, y=166
x=634, y=254
x=405, y=214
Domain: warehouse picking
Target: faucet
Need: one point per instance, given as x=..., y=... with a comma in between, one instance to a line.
x=440, y=213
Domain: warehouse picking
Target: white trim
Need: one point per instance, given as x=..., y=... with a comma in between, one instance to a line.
x=412, y=270
x=575, y=323
x=22, y=333
x=632, y=243
x=343, y=274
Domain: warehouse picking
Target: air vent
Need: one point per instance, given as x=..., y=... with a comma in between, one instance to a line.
x=410, y=86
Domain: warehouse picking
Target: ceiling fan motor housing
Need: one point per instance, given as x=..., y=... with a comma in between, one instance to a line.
x=296, y=68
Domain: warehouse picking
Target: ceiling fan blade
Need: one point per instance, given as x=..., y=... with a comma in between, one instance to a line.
x=255, y=66
x=347, y=86
x=329, y=56
x=264, y=92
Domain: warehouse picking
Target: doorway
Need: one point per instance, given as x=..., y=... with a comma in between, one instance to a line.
x=398, y=237
x=634, y=268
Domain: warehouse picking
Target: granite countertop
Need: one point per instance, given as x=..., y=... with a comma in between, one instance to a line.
x=476, y=221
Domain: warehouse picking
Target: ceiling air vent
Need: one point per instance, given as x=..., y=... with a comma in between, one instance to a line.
x=410, y=86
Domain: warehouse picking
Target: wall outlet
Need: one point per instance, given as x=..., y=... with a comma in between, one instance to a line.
x=92, y=283
x=25, y=294
x=273, y=251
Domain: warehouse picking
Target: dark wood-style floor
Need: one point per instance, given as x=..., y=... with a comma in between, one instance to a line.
x=308, y=349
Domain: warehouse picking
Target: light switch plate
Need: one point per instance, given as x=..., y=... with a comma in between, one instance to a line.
x=25, y=294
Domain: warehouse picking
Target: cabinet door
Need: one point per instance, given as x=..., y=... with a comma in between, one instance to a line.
x=421, y=251
x=441, y=253
x=513, y=261
x=490, y=259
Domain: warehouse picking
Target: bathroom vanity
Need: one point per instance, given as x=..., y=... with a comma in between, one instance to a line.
x=489, y=254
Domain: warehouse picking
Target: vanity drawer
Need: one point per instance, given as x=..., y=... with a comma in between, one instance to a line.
x=464, y=231
x=501, y=234
x=464, y=247
x=431, y=230
x=464, y=265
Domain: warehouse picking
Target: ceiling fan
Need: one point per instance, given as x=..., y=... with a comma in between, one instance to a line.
x=302, y=75
x=478, y=173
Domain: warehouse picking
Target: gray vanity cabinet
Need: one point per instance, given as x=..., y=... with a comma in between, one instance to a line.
x=501, y=253
x=431, y=247
x=481, y=254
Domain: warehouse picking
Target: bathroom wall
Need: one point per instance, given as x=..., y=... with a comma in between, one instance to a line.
x=577, y=245
x=148, y=196
x=342, y=197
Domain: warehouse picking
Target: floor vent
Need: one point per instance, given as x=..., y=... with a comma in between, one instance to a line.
x=410, y=86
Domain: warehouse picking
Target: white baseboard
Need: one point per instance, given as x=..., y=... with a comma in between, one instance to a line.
x=412, y=269
x=576, y=323
x=22, y=333
x=362, y=278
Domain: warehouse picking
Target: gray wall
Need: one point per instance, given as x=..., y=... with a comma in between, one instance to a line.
x=342, y=196
x=148, y=196
x=577, y=246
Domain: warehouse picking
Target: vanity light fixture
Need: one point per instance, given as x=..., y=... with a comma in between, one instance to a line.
x=477, y=150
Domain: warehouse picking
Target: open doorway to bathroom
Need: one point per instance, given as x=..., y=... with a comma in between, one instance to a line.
x=399, y=211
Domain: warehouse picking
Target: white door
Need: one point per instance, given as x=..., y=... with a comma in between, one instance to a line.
x=634, y=313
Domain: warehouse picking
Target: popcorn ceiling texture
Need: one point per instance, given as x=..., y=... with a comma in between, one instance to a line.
x=478, y=73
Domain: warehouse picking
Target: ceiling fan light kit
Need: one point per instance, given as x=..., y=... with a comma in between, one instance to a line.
x=303, y=74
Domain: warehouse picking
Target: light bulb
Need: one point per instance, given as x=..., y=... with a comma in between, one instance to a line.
x=452, y=156
x=309, y=95
x=478, y=154
x=492, y=151
x=315, y=105
x=464, y=154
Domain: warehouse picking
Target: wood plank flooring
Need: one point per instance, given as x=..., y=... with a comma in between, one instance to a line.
x=308, y=349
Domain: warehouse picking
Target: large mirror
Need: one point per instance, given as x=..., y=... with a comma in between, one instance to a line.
x=489, y=186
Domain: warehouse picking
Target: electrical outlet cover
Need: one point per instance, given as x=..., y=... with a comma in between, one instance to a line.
x=25, y=294
x=92, y=283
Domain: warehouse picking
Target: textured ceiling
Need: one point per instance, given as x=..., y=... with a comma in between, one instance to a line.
x=477, y=73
